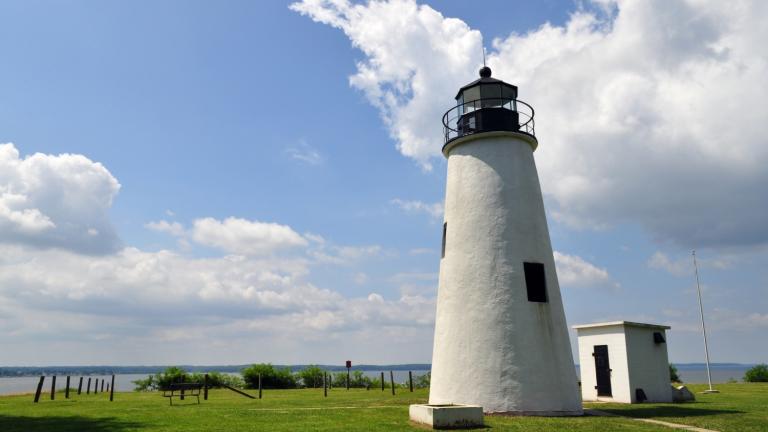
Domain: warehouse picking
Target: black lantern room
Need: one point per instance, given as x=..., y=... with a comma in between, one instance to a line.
x=486, y=105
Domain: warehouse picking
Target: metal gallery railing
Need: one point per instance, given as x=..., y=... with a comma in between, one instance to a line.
x=452, y=119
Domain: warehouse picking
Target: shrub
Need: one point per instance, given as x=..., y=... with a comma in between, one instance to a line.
x=422, y=381
x=175, y=374
x=271, y=377
x=218, y=380
x=758, y=373
x=162, y=380
x=311, y=376
x=673, y=376
x=356, y=380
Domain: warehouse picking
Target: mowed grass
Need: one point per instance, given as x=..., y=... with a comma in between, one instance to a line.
x=739, y=407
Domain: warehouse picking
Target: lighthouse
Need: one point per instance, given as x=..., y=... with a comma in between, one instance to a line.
x=501, y=340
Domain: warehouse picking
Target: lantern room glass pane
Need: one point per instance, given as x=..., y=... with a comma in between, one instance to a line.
x=508, y=92
x=471, y=94
x=491, y=94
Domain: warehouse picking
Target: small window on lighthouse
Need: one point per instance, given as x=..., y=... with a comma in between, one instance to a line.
x=445, y=227
x=535, y=282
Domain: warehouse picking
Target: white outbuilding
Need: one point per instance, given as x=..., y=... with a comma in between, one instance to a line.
x=623, y=361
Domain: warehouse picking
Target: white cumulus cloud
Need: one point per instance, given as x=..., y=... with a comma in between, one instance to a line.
x=651, y=113
x=242, y=236
x=434, y=210
x=173, y=228
x=574, y=271
x=59, y=201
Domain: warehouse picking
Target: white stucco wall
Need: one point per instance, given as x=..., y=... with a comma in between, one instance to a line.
x=613, y=337
x=648, y=364
x=635, y=362
x=492, y=346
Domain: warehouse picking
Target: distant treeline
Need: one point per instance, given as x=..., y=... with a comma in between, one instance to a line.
x=15, y=371
x=266, y=376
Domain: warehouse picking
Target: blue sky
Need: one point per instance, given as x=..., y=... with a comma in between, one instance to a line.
x=273, y=172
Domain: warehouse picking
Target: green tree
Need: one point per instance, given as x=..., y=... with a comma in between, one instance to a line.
x=757, y=373
x=673, y=376
x=218, y=380
x=311, y=376
x=422, y=381
x=162, y=380
x=271, y=377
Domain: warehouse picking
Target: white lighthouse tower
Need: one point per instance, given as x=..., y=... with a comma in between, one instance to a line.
x=501, y=340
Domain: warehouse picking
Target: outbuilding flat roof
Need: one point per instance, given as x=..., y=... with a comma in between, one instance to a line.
x=621, y=323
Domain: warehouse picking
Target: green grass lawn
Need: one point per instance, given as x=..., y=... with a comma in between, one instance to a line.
x=737, y=408
x=740, y=407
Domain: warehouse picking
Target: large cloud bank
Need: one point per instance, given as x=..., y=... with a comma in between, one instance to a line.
x=648, y=112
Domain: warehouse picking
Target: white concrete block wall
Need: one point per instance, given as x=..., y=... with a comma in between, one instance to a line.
x=613, y=337
x=648, y=364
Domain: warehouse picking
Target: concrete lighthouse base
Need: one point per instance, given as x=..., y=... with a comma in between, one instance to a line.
x=447, y=416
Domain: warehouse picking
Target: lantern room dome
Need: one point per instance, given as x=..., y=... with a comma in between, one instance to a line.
x=485, y=86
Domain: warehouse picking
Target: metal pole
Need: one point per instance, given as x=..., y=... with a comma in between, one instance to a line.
x=703, y=327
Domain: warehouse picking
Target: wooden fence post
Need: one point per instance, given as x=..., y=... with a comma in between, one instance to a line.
x=392, y=381
x=205, y=387
x=112, y=389
x=53, y=387
x=88, y=388
x=102, y=385
x=347, y=378
x=39, y=388
x=325, y=385
x=382, y=381
x=259, y=386
x=66, y=390
x=80, y=386
x=410, y=380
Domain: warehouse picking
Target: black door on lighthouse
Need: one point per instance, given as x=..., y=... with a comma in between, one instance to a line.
x=602, y=370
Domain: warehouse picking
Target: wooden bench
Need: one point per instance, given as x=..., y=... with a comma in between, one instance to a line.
x=180, y=390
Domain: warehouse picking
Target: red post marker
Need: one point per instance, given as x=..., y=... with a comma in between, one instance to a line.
x=349, y=365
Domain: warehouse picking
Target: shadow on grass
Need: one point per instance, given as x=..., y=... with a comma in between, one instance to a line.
x=65, y=424
x=668, y=411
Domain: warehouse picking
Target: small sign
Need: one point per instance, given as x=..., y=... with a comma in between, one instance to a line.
x=349, y=364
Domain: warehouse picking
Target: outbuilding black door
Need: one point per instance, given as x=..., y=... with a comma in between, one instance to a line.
x=602, y=370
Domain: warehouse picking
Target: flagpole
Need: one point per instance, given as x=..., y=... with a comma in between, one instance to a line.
x=703, y=327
